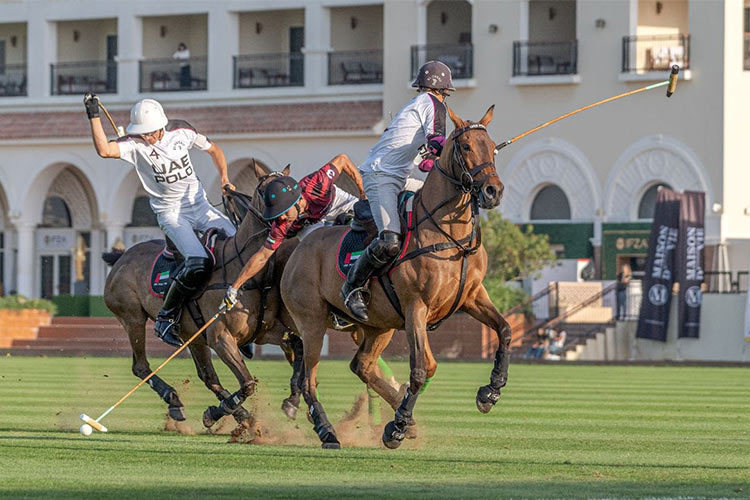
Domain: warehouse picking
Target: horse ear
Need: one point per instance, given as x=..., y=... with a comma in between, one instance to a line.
x=287, y=169
x=259, y=171
x=487, y=118
x=457, y=121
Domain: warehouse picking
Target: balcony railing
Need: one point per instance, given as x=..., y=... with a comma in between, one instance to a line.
x=166, y=75
x=12, y=79
x=643, y=54
x=269, y=70
x=84, y=76
x=458, y=57
x=545, y=58
x=746, y=52
x=355, y=66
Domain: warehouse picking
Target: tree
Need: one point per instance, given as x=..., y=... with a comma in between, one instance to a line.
x=512, y=253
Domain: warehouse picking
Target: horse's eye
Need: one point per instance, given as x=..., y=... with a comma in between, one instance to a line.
x=466, y=147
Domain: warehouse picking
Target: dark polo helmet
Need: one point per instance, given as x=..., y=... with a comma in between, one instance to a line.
x=434, y=75
x=279, y=196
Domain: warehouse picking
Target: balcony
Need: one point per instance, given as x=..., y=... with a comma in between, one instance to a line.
x=86, y=76
x=458, y=57
x=169, y=74
x=12, y=80
x=269, y=70
x=351, y=67
x=545, y=58
x=655, y=53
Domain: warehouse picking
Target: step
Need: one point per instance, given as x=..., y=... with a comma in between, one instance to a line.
x=84, y=320
x=67, y=350
x=81, y=332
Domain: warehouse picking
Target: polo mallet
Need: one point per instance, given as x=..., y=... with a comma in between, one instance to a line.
x=119, y=131
x=96, y=423
x=671, y=86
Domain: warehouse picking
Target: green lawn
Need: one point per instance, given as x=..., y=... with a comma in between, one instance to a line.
x=558, y=432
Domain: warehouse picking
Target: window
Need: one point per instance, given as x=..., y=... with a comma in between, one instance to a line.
x=648, y=201
x=550, y=204
x=56, y=213
x=746, y=39
x=142, y=214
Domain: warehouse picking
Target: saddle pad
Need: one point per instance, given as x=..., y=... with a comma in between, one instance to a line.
x=351, y=247
x=352, y=243
x=161, y=270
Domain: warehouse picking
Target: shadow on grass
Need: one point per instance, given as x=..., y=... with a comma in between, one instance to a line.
x=418, y=489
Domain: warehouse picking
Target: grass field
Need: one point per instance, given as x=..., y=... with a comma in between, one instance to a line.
x=558, y=432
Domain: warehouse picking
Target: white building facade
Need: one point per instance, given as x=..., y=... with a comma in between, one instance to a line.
x=301, y=81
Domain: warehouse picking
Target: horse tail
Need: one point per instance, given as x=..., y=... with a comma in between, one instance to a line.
x=111, y=257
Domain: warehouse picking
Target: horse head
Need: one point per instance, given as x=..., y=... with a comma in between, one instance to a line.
x=468, y=160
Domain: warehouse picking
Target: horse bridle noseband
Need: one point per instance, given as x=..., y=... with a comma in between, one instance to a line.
x=466, y=183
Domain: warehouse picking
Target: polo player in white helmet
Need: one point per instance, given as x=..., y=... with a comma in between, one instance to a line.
x=158, y=149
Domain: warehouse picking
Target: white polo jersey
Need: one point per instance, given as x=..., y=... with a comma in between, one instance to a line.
x=394, y=153
x=165, y=169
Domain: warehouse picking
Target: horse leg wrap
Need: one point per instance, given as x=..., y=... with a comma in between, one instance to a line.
x=499, y=375
x=169, y=395
x=404, y=412
x=321, y=425
x=232, y=403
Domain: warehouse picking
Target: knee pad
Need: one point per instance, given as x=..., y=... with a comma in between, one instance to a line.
x=385, y=247
x=195, y=273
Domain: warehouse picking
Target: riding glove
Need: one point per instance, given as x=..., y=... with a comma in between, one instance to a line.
x=230, y=299
x=91, y=102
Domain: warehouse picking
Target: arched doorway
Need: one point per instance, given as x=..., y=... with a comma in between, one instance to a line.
x=64, y=236
x=550, y=203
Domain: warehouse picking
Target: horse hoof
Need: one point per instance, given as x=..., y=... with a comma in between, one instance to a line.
x=211, y=416
x=331, y=443
x=487, y=398
x=392, y=437
x=289, y=409
x=241, y=415
x=177, y=413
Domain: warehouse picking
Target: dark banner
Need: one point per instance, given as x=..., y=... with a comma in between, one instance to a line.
x=690, y=262
x=660, y=267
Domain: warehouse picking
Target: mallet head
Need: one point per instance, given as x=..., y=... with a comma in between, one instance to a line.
x=93, y=423
x=672, y=80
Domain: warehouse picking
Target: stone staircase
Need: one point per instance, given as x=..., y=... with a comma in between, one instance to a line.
x=90, y=336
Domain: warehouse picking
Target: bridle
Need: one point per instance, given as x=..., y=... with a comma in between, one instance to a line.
x=466, y=183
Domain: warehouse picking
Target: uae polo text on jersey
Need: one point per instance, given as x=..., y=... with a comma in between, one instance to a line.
x=165, y=168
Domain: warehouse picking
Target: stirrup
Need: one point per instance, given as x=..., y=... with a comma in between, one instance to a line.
x=168, y=333
x=366, y=295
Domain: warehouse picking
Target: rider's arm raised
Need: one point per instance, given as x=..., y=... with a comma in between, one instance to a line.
x=253, y=266
x=344, y=164
x=104, y=148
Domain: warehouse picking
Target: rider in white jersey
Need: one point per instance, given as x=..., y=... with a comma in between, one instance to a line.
x=158, y=149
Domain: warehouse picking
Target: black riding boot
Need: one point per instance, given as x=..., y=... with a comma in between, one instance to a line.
x=188, y=282
x=375, y=257
x=167, y=326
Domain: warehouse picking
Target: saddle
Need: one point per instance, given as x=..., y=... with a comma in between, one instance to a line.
x=169, y=259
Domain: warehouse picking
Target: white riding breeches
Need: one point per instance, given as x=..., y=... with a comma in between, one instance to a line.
x=179, y=223
x=342, y=203
x=382, y=191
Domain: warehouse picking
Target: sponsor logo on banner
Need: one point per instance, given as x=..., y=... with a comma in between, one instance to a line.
x=690, y=263
x=660, y=266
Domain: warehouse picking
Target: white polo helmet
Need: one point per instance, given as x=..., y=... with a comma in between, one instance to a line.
x=146, y=116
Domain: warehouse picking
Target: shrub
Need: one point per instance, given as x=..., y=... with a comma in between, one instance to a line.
x=21, y=302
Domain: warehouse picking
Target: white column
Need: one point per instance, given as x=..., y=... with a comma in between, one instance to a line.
x=96, y=280
x=129, y=53
x=115, y=231
x=42, y=51
x=26, y=256
x=223, y=45
x=317, y=45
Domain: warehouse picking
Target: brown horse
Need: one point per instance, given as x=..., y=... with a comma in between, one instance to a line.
x=258, y=317
x=440, y=271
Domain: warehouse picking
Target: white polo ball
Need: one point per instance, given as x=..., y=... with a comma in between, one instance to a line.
x=86, y=430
